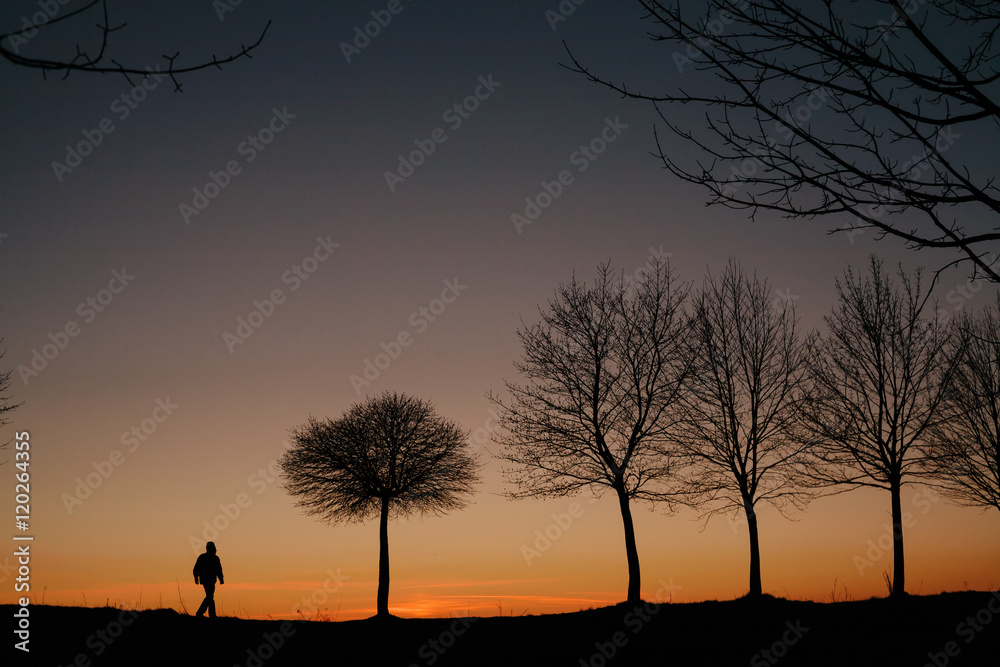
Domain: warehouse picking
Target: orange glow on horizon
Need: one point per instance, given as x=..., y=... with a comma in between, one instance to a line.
x=126, y=547
x=490, y=557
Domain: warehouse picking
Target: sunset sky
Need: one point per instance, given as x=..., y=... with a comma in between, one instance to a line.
x=189, y=335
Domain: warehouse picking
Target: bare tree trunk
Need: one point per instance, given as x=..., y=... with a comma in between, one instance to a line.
x=755, y=586
x=634, y=579
x=898, y=571
x=382, y=604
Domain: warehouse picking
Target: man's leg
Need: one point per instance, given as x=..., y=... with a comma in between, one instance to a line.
x=204, y=603
x=210, y=598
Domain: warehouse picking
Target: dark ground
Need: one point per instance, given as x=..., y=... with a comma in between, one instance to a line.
x=916, y=631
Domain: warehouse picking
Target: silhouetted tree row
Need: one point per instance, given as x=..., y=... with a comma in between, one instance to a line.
x=714, y=399
x=711, y=399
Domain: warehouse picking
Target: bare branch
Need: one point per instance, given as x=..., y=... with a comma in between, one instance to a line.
x=82, y=61
x=851, y=112
x=963, y=448
x=603, y=369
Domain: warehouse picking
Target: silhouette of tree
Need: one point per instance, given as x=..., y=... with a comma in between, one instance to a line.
x=878, y=379
x=603, y=367
x=739, y=412
x=11, y=44
x=843, y=109
x=6, y=407
x=963, y=447
x=387, y=457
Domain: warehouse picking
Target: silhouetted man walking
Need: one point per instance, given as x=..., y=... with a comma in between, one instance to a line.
x=207, y=568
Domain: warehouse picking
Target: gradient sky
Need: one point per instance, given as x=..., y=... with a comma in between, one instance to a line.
x=161, y=340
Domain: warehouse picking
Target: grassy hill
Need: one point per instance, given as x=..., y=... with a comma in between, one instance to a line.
x=948, y=629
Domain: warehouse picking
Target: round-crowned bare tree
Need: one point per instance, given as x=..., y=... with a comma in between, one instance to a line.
x=391, y=455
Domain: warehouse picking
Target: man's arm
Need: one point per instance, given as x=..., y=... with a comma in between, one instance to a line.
x=220, y=573
x=195, y=571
